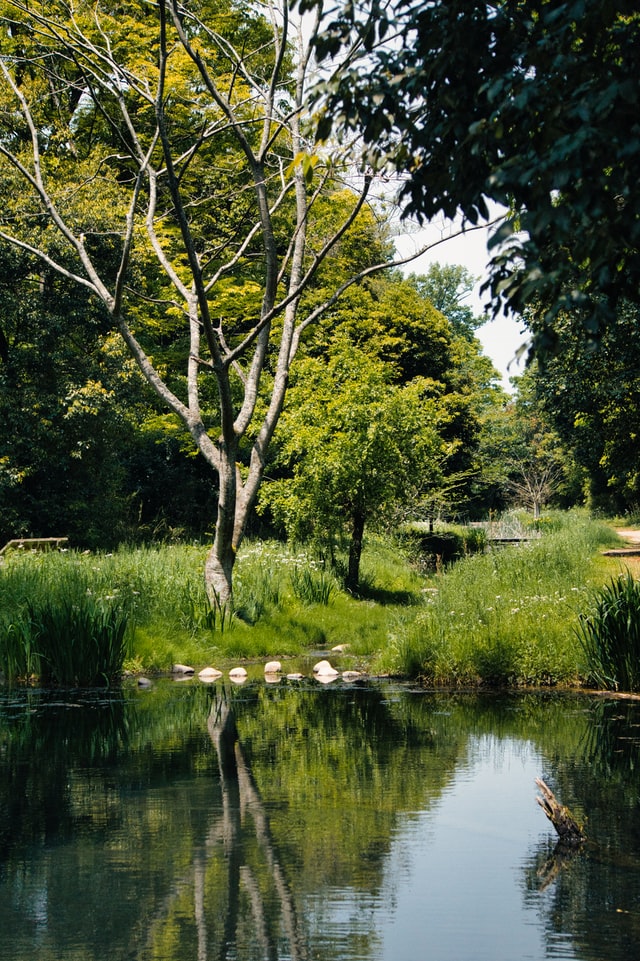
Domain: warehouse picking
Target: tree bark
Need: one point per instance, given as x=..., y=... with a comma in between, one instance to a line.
x=218, y=570
x=355, y=551
x=569, y=831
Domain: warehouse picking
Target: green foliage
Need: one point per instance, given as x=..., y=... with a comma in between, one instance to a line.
x=530, y=105
x=609, y=634
x=522, y=461
x=83, y=452
x=591, y=396
x=445, y=543
x=447, y=286
x=355, y=443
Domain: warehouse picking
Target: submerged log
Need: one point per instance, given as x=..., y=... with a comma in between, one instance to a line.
x=568, y=829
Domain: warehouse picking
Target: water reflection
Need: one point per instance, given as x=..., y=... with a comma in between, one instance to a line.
x=295, y=822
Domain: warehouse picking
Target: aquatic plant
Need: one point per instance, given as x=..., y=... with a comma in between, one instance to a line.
x=60, y=623
x=609, y=634
x=312, y=586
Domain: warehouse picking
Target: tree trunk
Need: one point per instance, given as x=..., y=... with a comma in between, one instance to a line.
x=355, y=551
x=218, y=568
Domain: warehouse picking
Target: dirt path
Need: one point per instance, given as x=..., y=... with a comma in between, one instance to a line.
x=630, y=553
x=628, y=534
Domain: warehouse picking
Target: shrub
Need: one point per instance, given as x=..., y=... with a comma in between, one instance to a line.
x=610, y=635
x=445, y=544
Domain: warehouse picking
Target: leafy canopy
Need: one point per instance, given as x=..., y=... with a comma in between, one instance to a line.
x=531, y=104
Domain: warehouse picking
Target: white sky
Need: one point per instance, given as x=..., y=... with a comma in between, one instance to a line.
x=500, y=338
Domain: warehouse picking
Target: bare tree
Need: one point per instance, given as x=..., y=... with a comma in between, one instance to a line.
x=533, y=482
x=174, y=141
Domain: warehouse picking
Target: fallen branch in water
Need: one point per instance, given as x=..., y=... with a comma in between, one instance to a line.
x=569, y=831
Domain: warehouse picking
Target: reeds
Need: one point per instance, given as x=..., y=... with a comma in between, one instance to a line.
x=312, y=586
x=609, y=634
x=59, y=625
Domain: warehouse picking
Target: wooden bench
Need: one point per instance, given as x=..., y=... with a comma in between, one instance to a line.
x=34, y=544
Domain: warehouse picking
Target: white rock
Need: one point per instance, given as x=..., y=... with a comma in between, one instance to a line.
x=182, y=669
x=325, y=678
x=237, y=672
x=272, y=667
x=209, y=674
x=325, y=669
x=295, y=677
x=340, y=648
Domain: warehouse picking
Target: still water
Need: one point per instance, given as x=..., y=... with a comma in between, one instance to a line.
x=298, y=821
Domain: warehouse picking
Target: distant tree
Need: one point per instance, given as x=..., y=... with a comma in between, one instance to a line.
x=531, y=105
x=591, y=395
x=447, y=287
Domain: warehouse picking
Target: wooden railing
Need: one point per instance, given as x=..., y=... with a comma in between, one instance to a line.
x=33, y=544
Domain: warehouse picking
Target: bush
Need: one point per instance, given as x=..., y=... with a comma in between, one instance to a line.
x=610, y=635
x=445, y=544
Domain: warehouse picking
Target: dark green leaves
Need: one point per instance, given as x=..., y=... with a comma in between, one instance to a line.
x=529, y=105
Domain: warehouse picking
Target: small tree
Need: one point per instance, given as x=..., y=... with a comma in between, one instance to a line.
x=533, y=482
x=356, y=444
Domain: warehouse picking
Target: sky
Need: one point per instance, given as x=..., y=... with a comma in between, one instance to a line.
x=501, y=337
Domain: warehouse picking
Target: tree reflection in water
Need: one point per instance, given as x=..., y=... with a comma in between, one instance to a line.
x=240, y=797
x=263, y=823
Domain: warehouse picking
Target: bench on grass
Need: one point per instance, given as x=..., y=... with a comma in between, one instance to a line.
x=34, y=544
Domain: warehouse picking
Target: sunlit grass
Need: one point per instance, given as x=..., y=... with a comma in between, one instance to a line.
x=155, y=602
x=506, y=617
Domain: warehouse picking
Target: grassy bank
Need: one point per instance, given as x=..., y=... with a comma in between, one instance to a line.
x=284, y=605
x=505, y=617
x=508, y=617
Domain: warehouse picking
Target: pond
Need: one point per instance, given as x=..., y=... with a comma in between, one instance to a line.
x=369, y=822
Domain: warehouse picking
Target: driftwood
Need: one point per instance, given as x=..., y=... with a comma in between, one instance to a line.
x=568, y=829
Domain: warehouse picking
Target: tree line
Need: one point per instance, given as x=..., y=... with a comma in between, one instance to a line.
x=205, y=329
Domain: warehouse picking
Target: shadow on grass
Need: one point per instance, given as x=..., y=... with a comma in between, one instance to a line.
x=386, y=597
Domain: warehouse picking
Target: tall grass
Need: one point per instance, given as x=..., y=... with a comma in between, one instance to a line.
x=139, y=607
x=59, y=623
x=609, y=634
x=284, y=604
x=506, y=617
